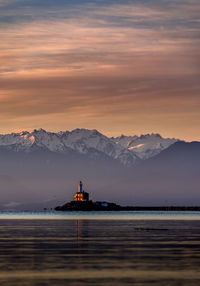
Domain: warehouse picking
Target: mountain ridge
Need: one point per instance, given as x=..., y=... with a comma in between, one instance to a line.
x=128, y=150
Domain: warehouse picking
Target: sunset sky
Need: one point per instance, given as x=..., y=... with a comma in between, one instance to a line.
x=118, y=66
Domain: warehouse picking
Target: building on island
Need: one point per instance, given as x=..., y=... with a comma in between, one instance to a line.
x=81, y=195
x=81, y=202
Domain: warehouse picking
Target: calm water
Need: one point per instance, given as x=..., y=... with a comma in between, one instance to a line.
x=128, y=248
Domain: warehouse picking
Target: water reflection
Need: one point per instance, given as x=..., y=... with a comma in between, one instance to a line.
x=109, y=215
x=99, y=252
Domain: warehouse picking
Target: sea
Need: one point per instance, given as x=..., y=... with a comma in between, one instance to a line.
x=99, y=248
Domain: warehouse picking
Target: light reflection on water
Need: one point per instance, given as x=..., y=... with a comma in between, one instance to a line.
x=109, y=215
x=90, y=251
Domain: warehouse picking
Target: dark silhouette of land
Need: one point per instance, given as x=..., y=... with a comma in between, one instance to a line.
x=102, y=206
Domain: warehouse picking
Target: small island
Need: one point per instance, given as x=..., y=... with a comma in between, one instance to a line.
x=82, y=202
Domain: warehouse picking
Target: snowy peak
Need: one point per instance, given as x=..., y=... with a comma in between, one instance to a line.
x=84, y=141
x=145, y=146
x=124, y=141
x=126, y=149
x=22, y=139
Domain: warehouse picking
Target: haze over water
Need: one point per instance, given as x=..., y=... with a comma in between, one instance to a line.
x=99, y=249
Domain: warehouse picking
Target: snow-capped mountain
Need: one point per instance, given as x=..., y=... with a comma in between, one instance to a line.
x=83, y=141
x=126, y=149
x=144, y=146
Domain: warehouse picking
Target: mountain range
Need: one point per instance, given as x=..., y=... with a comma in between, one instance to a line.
x=128, y=150
x=41, y=169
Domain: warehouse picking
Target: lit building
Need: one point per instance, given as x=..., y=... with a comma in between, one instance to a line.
x=81, y=196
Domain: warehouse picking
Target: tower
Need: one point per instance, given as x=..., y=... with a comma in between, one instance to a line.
x=80, y=187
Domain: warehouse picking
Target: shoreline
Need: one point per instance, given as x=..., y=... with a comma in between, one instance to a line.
x=131, y=208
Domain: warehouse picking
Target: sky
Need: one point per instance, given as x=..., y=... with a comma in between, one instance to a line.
x=121, y=67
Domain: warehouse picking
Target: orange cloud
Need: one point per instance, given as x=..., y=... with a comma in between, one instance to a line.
x=139, y=74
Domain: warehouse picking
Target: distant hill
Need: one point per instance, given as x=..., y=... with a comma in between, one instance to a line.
x=171, y=177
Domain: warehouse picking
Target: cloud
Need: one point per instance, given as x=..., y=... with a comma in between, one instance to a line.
x=123, y=62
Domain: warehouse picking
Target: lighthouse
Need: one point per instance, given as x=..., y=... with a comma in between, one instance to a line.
x=81, y=202
x=81, y=195
x=80, y=187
